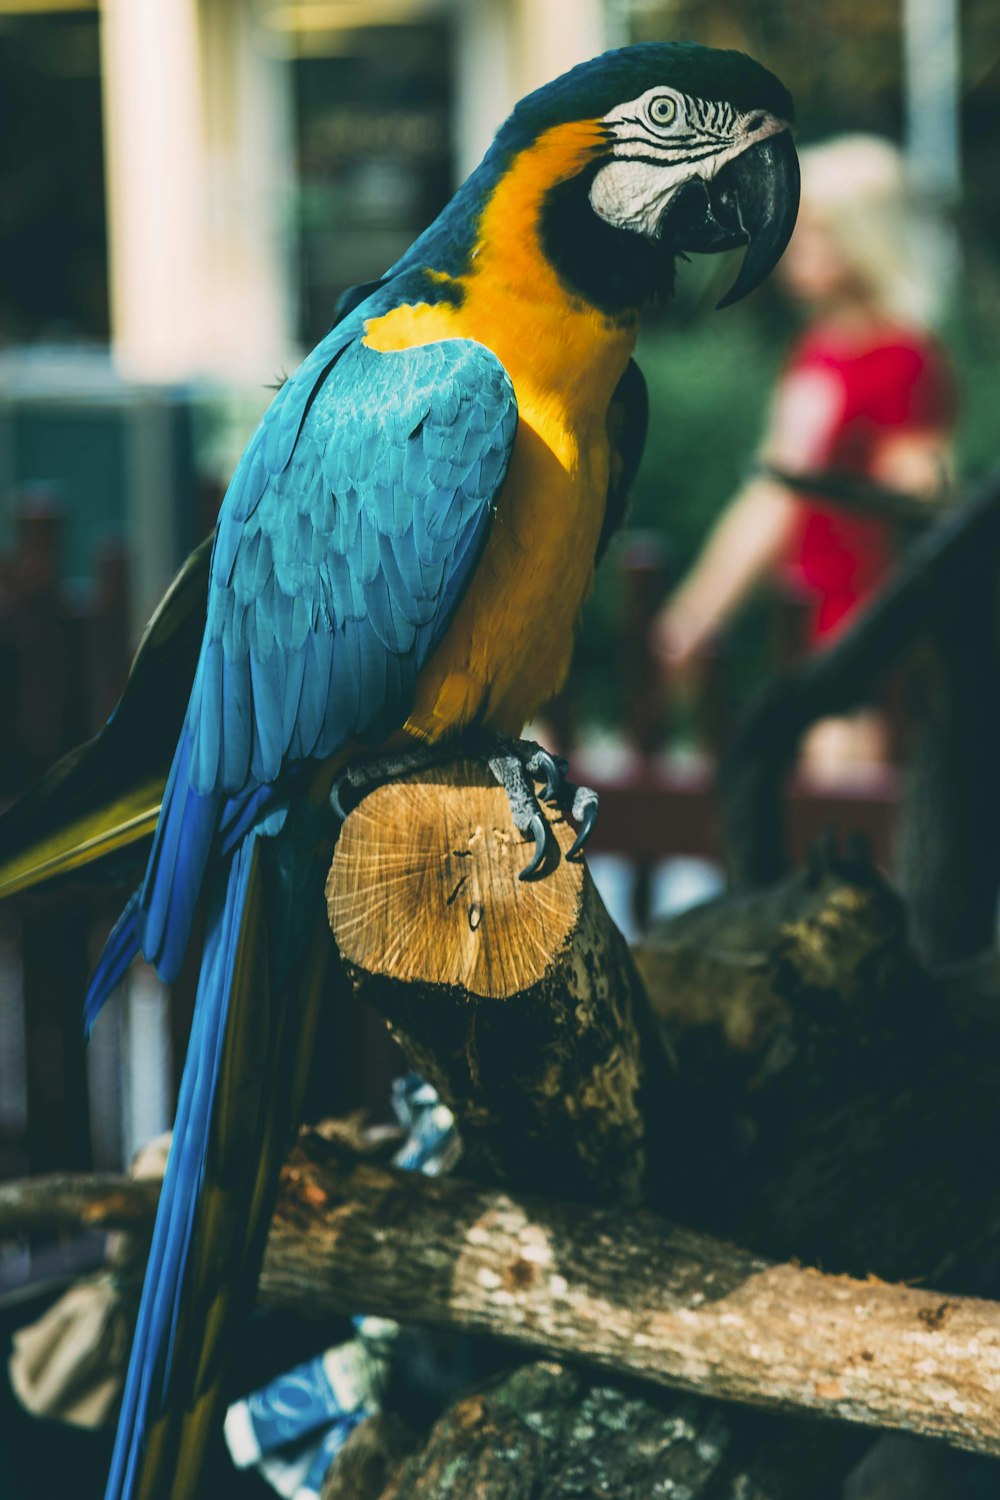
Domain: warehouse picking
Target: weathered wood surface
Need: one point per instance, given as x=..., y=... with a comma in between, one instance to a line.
x=74, y=1201
x=547, y=1430
x=626, y=1291
x=843, y=1094
x=518, y=1000
x=632, y=1293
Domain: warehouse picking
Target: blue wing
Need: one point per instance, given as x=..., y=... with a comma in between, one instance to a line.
x=346, y=540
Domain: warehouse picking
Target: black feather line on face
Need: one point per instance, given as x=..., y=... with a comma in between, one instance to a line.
x=615, y=270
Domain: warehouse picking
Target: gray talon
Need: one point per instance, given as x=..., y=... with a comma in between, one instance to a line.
x=539, y=830
x=363, y=776
x=552, y=767
x=585, y=801
x=514, y=763
x=584, y=811
x=335, y=802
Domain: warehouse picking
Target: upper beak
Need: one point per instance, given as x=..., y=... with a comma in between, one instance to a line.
x=753, y=201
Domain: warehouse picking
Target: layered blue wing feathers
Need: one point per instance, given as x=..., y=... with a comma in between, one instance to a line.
x=344, y=544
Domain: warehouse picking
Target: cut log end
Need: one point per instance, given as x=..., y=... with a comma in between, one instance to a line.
x=425, y=886
x=517, y=999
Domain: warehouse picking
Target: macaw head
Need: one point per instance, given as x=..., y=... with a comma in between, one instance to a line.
x=678, y=149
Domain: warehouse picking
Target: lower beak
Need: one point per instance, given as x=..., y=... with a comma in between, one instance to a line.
x=753, y=201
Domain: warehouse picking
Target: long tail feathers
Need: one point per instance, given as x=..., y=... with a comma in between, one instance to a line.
x=177, y=862
x=143, y=1397
x=83, y=825
x=120, y=949
x=239, y=1102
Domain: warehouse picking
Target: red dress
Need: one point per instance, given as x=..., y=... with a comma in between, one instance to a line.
x=897, y=381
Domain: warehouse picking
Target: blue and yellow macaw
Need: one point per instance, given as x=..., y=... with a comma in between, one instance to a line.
x=400, y=559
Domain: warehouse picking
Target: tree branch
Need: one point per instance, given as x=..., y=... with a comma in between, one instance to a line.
x=634, y=1294
x=69, y=1202
x=628, y=1292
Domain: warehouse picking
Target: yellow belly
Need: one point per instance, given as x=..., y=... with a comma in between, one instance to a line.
x=508, y=648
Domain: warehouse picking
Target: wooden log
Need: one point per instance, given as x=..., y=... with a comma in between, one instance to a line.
x=74, y=1201
x=518, y=1000
x=626, y=1291
x=843, y=1093
x=633, y=1294
x=550, y=1430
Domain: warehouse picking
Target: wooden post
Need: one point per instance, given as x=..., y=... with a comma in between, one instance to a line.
x=518, y=1000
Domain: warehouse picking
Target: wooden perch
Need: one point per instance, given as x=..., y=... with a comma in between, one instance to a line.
x=626, y=1291
x=844, y=1095
x=634, y=1294
x=518, y=1000
x=71, y=1202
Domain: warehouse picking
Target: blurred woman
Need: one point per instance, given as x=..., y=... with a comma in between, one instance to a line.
x=865, y=391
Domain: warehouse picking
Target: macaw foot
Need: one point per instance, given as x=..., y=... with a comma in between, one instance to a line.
x=516, y=764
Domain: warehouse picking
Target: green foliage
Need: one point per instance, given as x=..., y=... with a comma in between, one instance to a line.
x=709, y=385
x=710, y=378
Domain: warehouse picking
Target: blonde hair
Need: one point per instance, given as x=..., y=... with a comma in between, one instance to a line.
x=856, y=186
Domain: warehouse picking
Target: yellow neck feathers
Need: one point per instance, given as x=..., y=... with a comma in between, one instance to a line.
x=554, y=345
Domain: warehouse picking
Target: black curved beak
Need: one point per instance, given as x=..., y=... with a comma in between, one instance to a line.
x=753, y=201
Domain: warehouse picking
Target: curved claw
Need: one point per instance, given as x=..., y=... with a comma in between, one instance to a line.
x=587, y=822
x=553, y=768
x=539, y=831
x=335, y=802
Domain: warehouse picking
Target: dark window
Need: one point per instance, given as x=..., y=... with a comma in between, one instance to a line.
x=53, y=247
x=374, y=155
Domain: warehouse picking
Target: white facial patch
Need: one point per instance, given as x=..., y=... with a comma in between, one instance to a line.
x=663, y=140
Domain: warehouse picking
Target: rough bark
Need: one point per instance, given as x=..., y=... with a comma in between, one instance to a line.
x=633, y=1294
x=623, y=1290
x=518, y=1000
x=840, y=1095
x=75, y=1202
x=549, y=1430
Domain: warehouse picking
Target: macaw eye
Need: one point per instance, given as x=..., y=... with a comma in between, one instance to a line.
x=663, y=110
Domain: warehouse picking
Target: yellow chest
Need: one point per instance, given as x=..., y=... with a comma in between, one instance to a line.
x=508, y=647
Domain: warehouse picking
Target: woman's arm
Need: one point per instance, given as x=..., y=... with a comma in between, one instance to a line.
x=756, y=527
x=917, y=463
x=746, y=543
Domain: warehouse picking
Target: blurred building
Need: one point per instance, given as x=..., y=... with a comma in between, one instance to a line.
x=196, y=180
x=186, y=186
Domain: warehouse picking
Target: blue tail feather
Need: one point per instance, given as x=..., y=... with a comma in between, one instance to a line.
x=119, y=951
x=156, y=1328
x=176, y=870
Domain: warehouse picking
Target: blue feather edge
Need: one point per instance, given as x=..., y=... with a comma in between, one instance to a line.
x=161, y=1294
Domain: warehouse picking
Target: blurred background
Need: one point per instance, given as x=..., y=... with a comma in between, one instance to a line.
x=186, y=186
